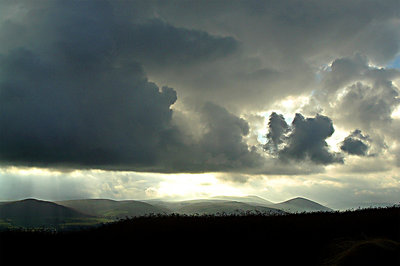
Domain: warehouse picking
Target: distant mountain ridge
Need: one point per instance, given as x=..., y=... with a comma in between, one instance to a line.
x=255, y=200
x=245, y=203
x=224, y=207
x=33, y=213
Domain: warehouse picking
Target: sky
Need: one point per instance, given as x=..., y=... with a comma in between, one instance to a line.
x=193, y=99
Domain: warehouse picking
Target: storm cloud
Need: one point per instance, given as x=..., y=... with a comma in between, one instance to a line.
x=277, y=127
x=282, y=45
x=73, y=93
x=305, y=139
x=356, y=143
x=266, y=96
x=54, y=113
x=156, y=86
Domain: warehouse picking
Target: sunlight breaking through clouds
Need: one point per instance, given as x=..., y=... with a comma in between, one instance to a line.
x=146, y=99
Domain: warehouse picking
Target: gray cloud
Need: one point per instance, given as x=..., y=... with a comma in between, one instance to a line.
x=282, y=45
x=221, y=147
x=370, y=106
x=346, y=71
x=159, y=44
x=305, y=140
x=355, y=93
x=52, y=113
x=73, y=93
x=75, y=87
x=277, y=127
x=356, y=143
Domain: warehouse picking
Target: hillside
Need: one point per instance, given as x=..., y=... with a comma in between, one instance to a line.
x=219, y=206
x=111, y=208
x=252, y=200
x=32, y=212
x=300, y=205
x=232, y=203
x=363, y=237
x=229, y=204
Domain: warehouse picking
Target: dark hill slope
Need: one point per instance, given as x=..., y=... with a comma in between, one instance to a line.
x=300, y=205
x=32, y=212
x=112, y=208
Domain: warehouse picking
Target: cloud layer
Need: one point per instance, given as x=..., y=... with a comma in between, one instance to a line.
x=73, y=93
x=156, y=86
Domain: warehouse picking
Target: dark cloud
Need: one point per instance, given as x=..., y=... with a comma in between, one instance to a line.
x=277, y=128
x=90, y=27
x=75, y=87
x=159, y=44
x=306, y=139
x=53, y=113
x=356, y=143
x=73, y=94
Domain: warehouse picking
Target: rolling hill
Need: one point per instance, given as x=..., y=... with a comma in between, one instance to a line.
x=252, y=200
x=88, y=212
x=300, y=205
x=33, y=213
x=111, y=208
x=214, y=206
x=230, y=204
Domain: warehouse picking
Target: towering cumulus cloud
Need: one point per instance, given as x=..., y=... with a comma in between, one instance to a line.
x=277, y=127
x=304, y=139
x=307, y=140
x=73, y=92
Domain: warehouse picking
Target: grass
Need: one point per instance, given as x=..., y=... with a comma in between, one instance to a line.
x=84, y=222
x=4, y=224
x=66, y=224
x=371, y=235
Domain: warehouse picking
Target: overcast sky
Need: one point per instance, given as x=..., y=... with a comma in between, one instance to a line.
x=192, y=99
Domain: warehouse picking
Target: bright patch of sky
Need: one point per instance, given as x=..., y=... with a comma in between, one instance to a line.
x=288, y=107
x=321, y=70
x=192, y=186
x=396, y=113
x=338, y=136
x=395, y=63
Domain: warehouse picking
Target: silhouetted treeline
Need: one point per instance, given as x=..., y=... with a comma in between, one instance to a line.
x=362, y=237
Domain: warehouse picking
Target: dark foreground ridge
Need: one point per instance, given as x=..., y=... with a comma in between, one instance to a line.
x=364, y=237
